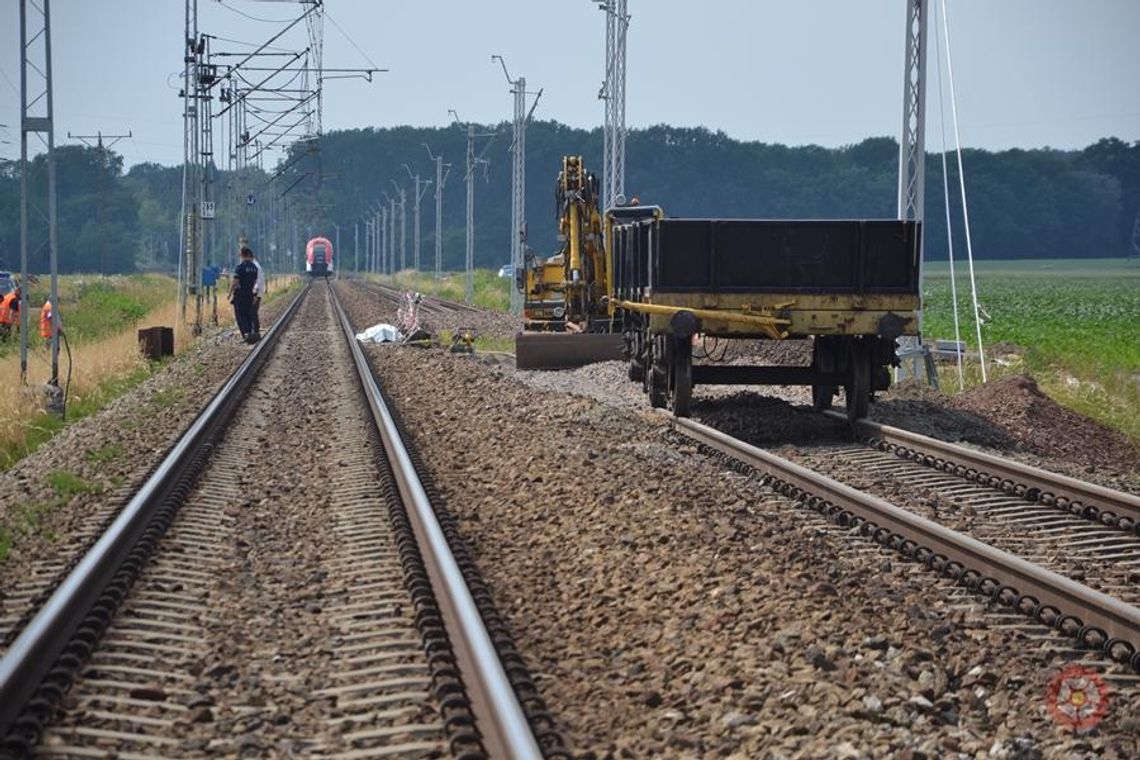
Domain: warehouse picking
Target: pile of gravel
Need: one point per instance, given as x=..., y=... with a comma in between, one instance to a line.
x=1017, y=406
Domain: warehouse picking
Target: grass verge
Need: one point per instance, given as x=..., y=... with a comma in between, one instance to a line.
x=24, y=518
x=489, y=291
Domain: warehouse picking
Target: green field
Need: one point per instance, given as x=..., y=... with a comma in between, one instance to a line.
x=92, y=306
x=1077, y=320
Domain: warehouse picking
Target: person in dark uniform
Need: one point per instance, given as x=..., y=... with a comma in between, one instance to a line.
x=258, y=292
x=242, y=288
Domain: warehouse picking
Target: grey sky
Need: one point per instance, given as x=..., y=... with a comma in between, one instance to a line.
x=1029, y=73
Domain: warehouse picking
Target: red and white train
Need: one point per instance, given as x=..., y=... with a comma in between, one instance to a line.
x=319, y=264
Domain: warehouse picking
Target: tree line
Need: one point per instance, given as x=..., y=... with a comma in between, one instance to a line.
x=1039, y=203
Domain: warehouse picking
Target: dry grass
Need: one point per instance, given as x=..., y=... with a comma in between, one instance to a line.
x=93, y=364
x=101, y=369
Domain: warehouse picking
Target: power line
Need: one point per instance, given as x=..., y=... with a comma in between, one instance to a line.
x=350, y=40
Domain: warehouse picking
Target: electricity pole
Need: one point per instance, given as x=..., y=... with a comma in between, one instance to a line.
x=518, y=175
x=37, y=115
x=355, y=247
x=99, y=148
x=389, y=215
x=916, y=360
x=367, y=244
x=613, y=93
x=419, y=193
x=197, y=151
x=98, y=138
x=379, y=249
x=390, y=224
x=472, y=162
x=440, y=179
x=403, y=225
x=381, y=261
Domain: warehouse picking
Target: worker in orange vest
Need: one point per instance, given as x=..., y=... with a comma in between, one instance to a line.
x=46, y=320
x=9, y=313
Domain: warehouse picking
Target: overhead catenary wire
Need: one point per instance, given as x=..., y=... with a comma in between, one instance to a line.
x=949, y=232
x=962, y=186
x=351, y=41
x=251, y=17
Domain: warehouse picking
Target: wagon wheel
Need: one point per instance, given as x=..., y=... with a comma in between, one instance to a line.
x=822, y=360
x=657, y=378
x=681, y=376
x=858, y=386
x=636, y=356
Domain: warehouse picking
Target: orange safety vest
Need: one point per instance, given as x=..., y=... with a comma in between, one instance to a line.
x=6, y=308
x=45, y=320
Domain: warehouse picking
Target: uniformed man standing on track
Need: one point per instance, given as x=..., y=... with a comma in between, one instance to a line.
x=242, y=288
x=258, y=292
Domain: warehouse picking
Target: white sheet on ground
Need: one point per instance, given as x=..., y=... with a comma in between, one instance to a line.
x=380, y=333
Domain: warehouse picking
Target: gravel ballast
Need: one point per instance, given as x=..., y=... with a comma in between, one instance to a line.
x=110, y=453
x=670, y=607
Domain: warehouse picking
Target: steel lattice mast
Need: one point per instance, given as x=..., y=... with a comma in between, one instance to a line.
x=37, y=116
x=190, y=271
x=518, y=175
x=912, y=169
x=613, y=95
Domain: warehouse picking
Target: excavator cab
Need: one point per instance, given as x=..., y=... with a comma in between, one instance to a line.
x=567, y=319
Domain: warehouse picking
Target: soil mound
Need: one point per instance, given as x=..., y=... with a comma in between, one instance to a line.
x=914, y=405
x=1040, y=425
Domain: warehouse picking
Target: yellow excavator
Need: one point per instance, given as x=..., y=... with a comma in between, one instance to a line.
x=568, y=321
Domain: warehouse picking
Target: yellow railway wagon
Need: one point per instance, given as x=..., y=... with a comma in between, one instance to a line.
x=850, y=285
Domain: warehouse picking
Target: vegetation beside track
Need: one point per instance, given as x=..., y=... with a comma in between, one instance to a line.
x=489, y=290
x=101, y=316
x=1072, y=324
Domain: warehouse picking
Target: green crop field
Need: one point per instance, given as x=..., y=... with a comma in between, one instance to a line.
x=1073, y=324
x=1076, y=322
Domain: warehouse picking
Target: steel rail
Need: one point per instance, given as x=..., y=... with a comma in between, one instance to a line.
x=36, y=649
x=499, y=717
x=1107, y=506
x=1096, y=618
x=442, y=303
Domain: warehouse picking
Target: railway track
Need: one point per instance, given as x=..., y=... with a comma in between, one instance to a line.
x=282, y=584
x=719, y=576
x=1107, y=507
x=432, y=305
x=1052, y=602
x=1024, y=510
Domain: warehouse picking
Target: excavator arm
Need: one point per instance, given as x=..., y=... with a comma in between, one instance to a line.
x=565, y=314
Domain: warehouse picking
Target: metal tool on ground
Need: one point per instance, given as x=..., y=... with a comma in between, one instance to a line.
x=408, y=320
x=463, y=341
